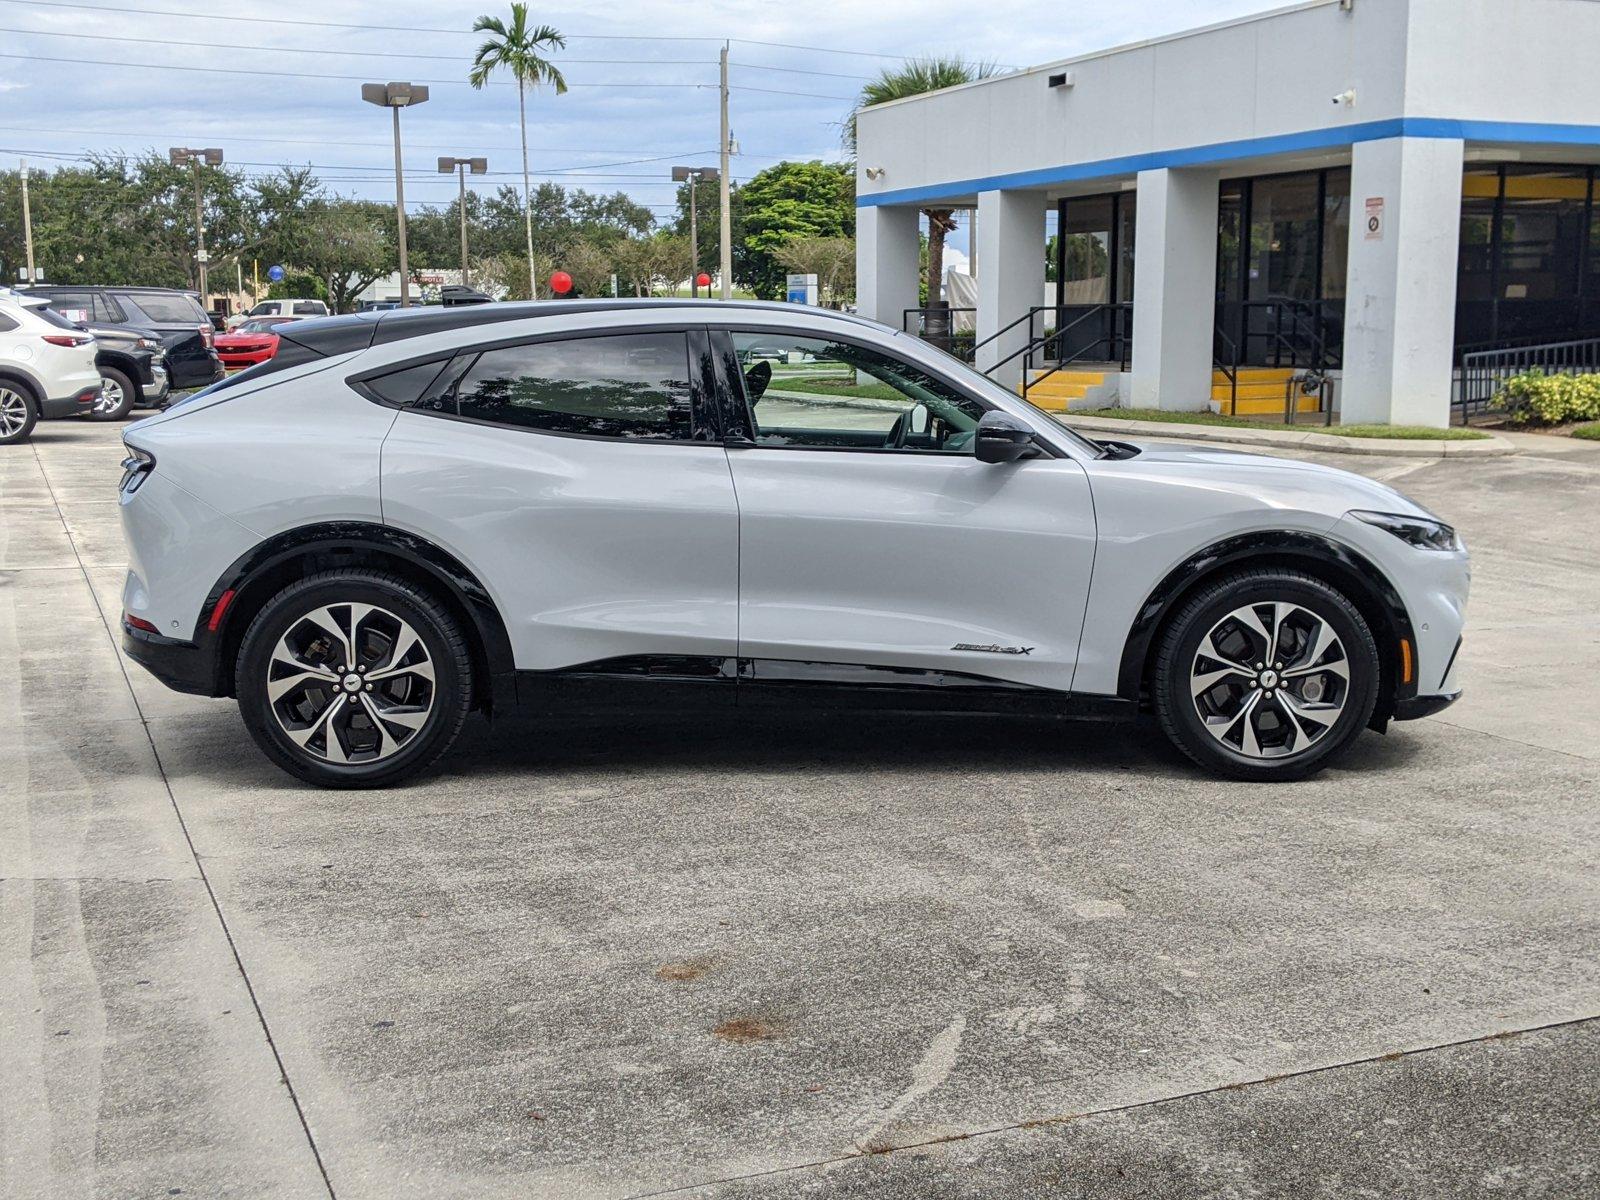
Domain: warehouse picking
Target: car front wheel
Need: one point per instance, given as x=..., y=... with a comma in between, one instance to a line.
x=354, y=678
x=1266, y=675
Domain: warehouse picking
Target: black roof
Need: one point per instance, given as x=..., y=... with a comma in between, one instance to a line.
x=357, y=331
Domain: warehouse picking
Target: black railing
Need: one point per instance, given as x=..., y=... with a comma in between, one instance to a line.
x=1225, y=358
x=937, y=324
x=1282, y=331
x=1482, y=373
x=1108, y=325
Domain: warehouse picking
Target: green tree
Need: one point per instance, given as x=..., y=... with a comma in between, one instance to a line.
x=831, y=259
x=913, y=79
x=519, y=48
x=787, y=201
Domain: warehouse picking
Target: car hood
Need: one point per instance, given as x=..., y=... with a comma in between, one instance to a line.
x=1289, y=481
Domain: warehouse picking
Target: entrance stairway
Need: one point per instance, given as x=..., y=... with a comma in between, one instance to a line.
x=1058, y=391
x=1260, y=392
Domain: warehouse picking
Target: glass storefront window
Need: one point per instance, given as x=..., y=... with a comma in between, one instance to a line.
x=1086, y=249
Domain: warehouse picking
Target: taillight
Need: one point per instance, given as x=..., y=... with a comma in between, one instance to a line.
x=136, y=469
x=134, y=622
x=207, y=334
x=67, y=339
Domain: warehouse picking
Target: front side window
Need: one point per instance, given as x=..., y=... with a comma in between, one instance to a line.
x=815, y=393
x=632, y=386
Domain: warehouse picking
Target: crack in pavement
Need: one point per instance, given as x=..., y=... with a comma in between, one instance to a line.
x=183, y=825
x=1112, y=1109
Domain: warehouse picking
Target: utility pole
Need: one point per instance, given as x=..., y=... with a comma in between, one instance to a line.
x=395, y=96
x=212, y=157
x=478, y=166
x=692, y=176
x=27, y=222
x=726, y=213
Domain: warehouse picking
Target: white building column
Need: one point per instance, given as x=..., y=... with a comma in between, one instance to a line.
x=888, y=263
x=1174, y=288
x=1400, y=285
x=1011, y=249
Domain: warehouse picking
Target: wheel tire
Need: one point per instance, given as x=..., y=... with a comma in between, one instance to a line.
x=19, y=413
x=116, y=398
x=284, y=632
x=1287, y=721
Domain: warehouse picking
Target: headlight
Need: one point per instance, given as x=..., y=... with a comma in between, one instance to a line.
x=148, y=344
x=1421, y=532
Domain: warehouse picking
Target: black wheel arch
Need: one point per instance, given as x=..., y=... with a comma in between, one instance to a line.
x=261, y=573
x=128, y=365
x=22, y=379
x=1367, y=587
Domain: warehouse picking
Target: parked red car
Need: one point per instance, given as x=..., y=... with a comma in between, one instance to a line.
x=250, y=343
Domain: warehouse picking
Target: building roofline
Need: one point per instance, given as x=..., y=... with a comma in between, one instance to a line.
x=1124, y=48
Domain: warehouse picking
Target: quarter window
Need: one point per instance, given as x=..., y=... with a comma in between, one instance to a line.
x=622, y=385
x=814, y=393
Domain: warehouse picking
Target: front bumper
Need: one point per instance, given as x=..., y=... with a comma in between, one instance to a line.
x=182, y=666
x=158, y=387
x=1418, y=707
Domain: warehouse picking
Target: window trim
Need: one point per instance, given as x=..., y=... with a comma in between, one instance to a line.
x=703, y=414
x=736, y=409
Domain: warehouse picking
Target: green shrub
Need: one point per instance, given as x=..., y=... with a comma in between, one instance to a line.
x=1535, y=398
x=1589, y=433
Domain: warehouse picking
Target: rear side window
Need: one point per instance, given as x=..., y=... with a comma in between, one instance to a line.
x=310, y=308
x=633, y=385
x=425, y=385
x=167, y=309
x=75, y=306
x=6, y=323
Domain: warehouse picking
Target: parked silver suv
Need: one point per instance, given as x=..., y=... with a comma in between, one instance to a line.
x=408, y=515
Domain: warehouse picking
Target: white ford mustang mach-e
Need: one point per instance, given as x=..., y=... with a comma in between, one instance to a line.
x=405, y=516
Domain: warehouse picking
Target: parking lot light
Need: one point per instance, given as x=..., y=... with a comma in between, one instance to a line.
x=395, y=96
x=478, y=166
x=211, y=157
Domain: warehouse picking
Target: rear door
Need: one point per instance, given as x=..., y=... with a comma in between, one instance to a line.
x=870, y=535
x=579, y=477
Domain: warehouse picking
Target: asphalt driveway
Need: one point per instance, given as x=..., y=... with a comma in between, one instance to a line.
x=798, y=956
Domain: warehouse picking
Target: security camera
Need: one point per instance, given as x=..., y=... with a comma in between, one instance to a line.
x=1346, y=97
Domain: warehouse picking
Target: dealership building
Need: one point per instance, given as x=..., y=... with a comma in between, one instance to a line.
x=1359, y=190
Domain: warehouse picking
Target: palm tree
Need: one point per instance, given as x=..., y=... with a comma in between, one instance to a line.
x=917, y=76
x=518, y=48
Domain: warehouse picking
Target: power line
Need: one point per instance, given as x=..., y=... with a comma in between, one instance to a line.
x=455, y=58
x=609, y=37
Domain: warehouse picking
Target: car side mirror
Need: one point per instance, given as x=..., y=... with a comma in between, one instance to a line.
x=1002, y=439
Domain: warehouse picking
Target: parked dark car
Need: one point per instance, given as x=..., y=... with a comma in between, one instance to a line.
x=134, y=366
x=178, y=317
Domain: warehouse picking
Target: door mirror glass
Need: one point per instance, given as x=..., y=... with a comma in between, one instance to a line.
x=1002, y=439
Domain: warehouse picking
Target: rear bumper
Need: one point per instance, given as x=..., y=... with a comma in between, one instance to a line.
x=1423, y=706
x=78, y=403
x=182, y=666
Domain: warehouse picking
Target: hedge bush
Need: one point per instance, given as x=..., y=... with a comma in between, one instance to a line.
x=1535, y=398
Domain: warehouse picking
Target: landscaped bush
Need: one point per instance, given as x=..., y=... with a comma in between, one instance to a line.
x=1535, y=398
x=1589, y=433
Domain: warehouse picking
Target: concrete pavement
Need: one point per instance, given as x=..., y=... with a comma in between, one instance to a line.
x=919, y=957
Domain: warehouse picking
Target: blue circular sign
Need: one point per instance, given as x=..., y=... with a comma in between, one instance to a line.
x=275, y=274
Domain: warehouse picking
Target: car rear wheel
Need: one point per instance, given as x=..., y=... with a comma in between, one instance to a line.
x=116, y=396
x=1266, y=675
x=354, y=679
x=18, y=414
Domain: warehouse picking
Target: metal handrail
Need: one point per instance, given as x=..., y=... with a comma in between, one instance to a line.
x=1034, y=343
x=1482, y=372
x=1029, y=382
x=1230, y=370
x=1001, y=332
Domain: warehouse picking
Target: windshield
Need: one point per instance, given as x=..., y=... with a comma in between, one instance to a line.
x=980, y=382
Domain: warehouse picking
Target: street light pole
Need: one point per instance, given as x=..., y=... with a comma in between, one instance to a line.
x=692, y=176
x=27, y=223
x=210, y=157
x=477, y=166
x=396, y=96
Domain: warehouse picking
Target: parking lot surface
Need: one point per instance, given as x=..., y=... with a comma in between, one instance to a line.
x=799, y=955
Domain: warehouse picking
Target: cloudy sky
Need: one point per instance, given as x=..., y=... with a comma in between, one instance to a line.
x=279, y=83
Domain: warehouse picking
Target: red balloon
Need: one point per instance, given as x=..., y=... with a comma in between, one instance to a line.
x=703, y=279
x=561, y=283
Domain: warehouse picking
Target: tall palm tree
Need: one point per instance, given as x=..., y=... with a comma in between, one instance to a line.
x=519, y=48
x=917, y=76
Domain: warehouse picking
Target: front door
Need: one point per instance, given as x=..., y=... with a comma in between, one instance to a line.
x=870, y=534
